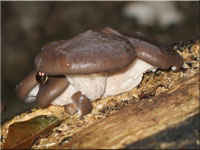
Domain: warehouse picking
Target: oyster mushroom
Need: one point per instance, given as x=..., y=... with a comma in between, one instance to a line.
x=27, y=89
x=151, y=51
x=26, y=86
x=87, y=67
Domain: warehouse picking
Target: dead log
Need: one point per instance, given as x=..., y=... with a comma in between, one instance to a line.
x=145, y=118
x=163, y=100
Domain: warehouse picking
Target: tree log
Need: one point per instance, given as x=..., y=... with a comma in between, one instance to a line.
x=143, y=119
x=164, y=102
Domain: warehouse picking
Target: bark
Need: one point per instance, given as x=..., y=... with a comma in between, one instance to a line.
x=142, y=120
x=162, y=112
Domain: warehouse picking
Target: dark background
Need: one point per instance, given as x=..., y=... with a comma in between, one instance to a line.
x=27, y=26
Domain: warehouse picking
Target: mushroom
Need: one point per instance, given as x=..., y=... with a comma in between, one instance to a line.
x=46, y=92
x=90, y=66
x=151, y=51
x=28, y=85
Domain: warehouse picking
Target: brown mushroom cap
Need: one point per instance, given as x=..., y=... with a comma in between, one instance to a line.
x=24, y=87
x=151, y=51
x=89, y=52
x=71, y=108
x=53, y=88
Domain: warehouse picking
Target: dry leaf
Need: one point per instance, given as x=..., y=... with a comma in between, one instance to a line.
x=21, y=135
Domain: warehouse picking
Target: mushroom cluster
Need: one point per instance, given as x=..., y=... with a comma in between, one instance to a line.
x=92, y=65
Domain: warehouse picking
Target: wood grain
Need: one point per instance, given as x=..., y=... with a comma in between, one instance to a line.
x=144, y=119
x=163, y=101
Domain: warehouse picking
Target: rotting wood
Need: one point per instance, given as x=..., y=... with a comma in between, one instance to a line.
x=144, y=119
x=184, y=135
x=163, y=100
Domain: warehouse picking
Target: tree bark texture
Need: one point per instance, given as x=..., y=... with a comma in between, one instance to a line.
x=155, y=114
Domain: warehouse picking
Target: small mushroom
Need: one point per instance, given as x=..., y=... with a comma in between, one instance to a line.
x=52, y=89
x=71, y=108
x=24, y=88
x=75, y=72
x=29, y=90
x=82, y=102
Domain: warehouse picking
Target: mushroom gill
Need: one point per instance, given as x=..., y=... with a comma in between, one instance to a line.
x=95, y=86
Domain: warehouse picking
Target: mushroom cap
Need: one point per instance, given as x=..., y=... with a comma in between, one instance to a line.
x=53, y=88
x=87, y=53
x=24, y=87
x=151, y=51
x=71, y=108
x=82, y=102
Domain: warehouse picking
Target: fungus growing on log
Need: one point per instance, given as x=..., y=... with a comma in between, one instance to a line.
x=93, y=65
